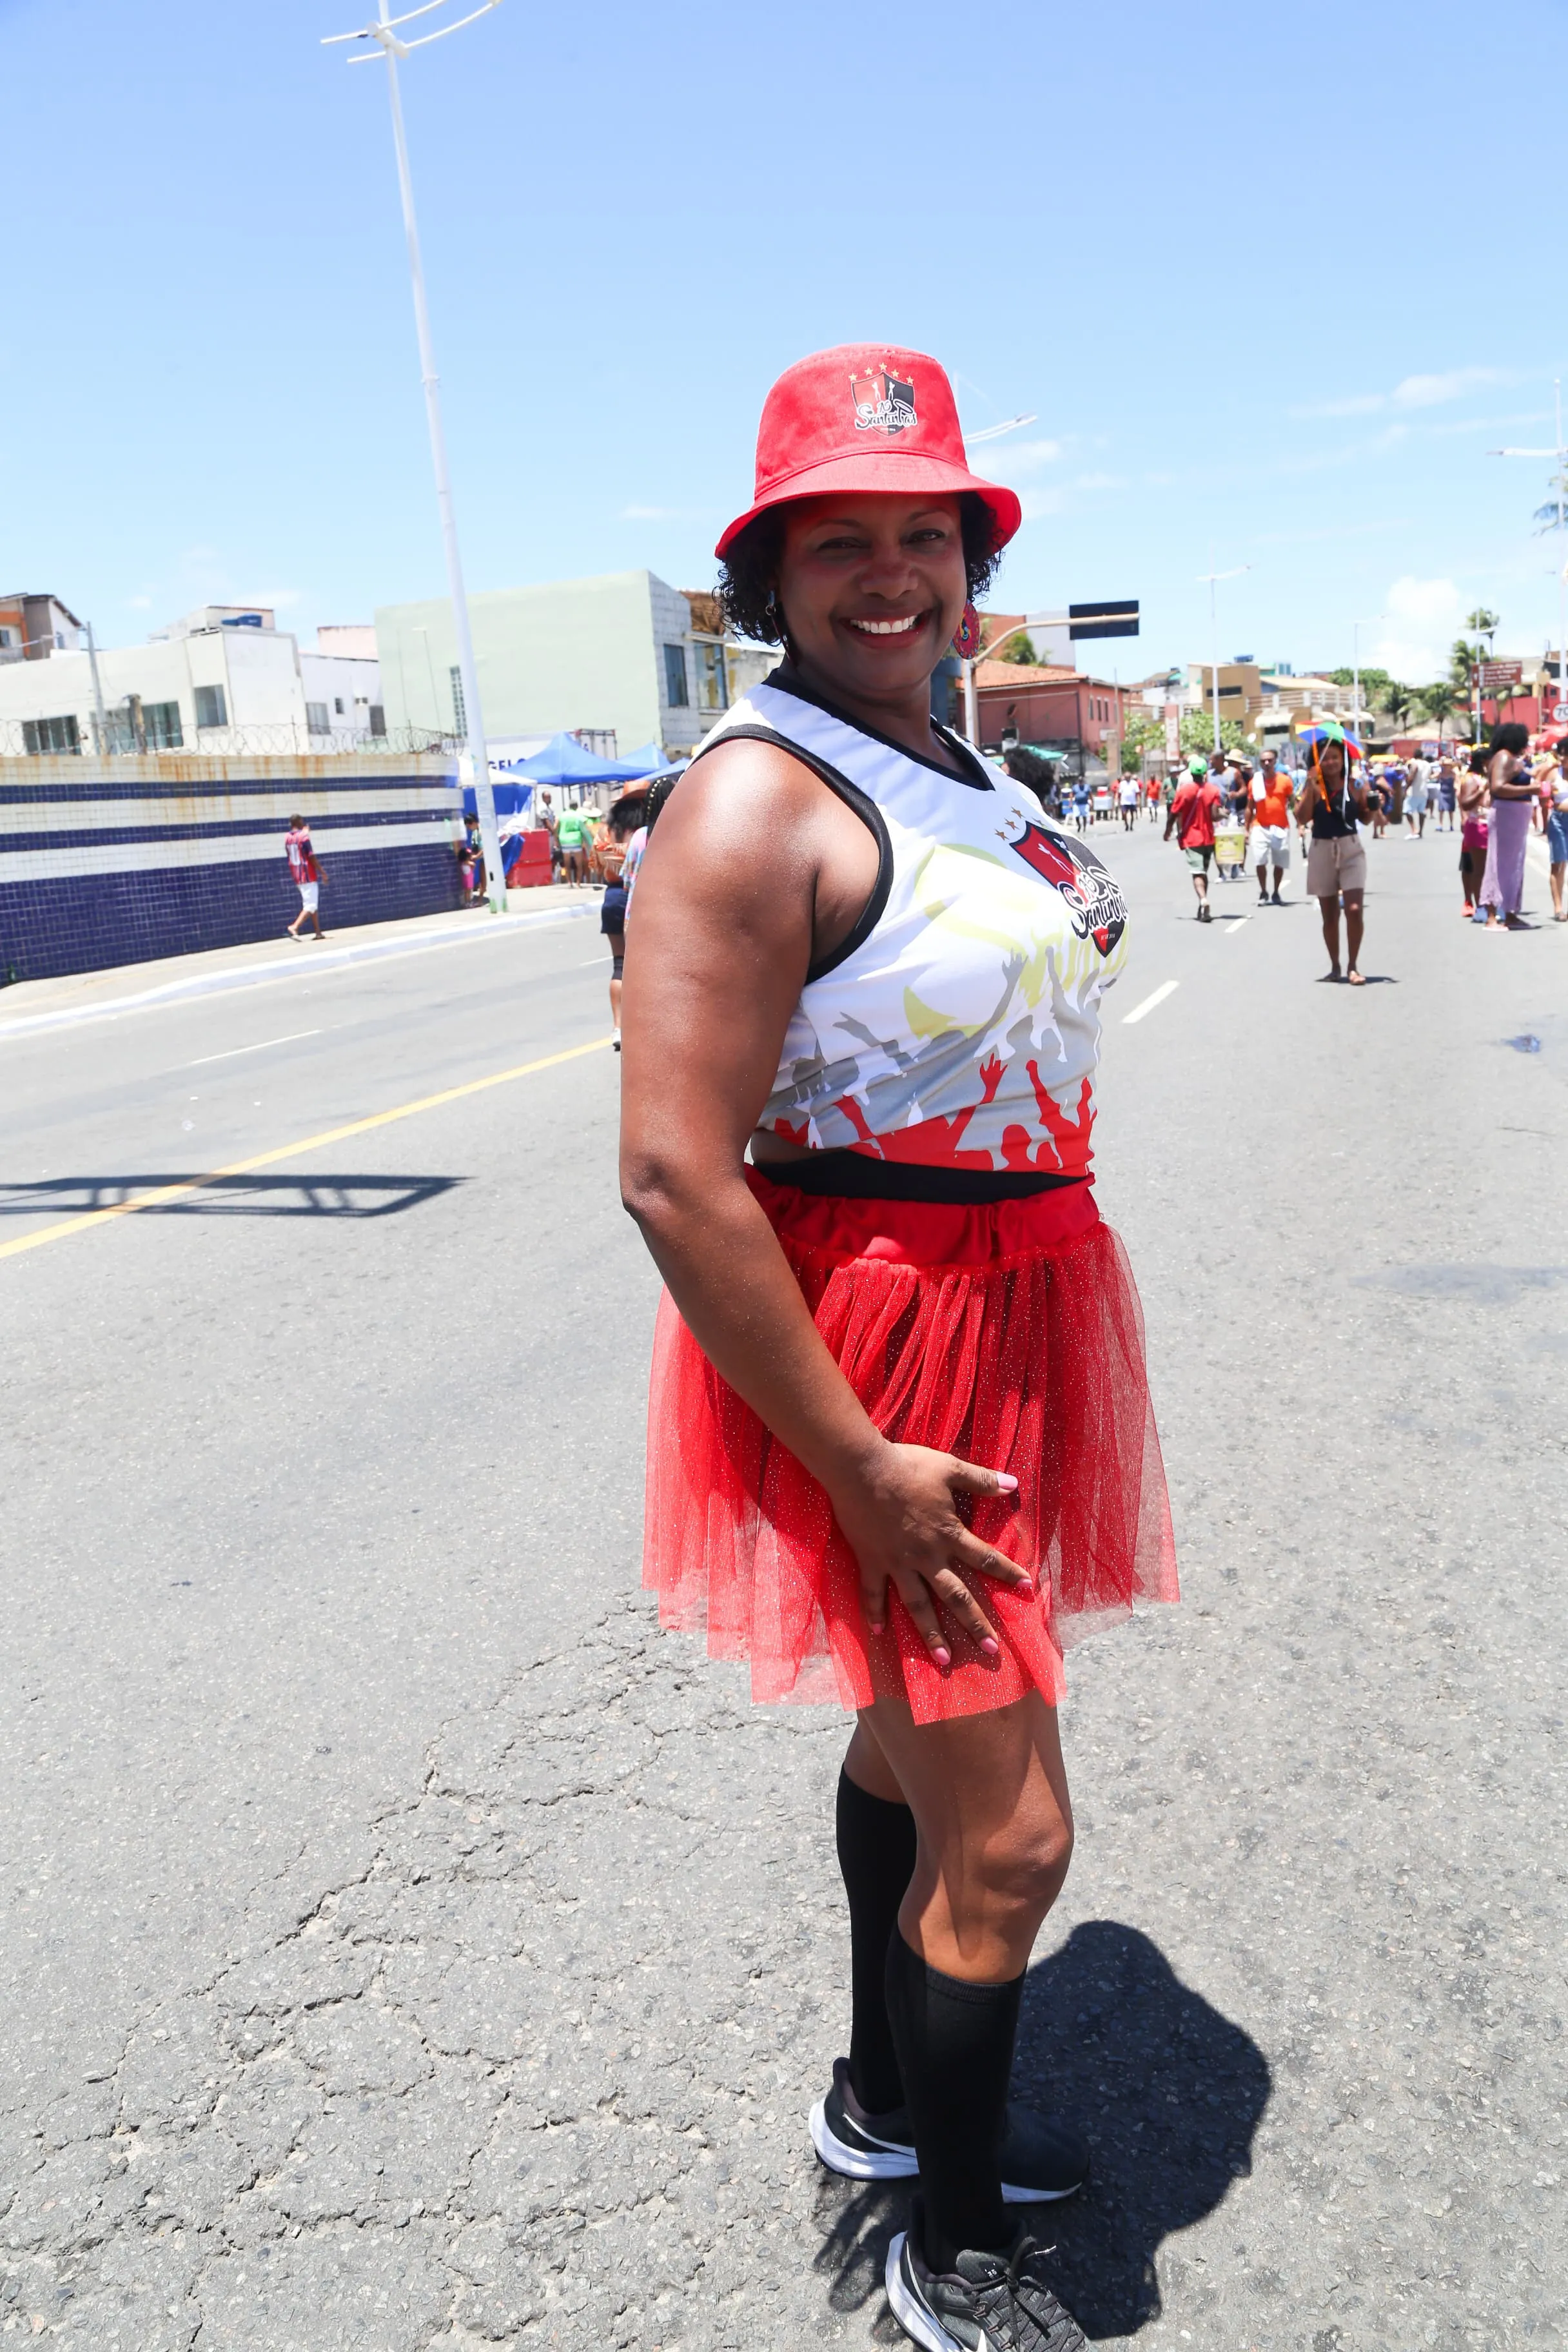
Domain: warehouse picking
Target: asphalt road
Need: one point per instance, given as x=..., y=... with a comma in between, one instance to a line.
x=405, y=1943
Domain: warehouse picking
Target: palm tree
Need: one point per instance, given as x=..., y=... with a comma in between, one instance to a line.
x=1437, y=702
x=1398, y=701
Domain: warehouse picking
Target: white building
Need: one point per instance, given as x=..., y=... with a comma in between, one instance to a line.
x=621, y=661
x=224, y=678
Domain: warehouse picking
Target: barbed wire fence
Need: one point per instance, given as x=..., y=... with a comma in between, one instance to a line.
x=29, y=739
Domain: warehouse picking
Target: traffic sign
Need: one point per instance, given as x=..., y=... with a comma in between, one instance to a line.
x=1501, y=673
x=1559, y=713
x=1102, y=620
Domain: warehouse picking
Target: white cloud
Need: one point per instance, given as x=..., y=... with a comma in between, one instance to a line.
x=1100, y=482
x=1037, y=503
x=1424, y=616
x=649, y=514
x=1410, y=391
x=1020, y=458
x=138, y=603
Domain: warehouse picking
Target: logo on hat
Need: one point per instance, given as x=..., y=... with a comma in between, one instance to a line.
x=882, y=405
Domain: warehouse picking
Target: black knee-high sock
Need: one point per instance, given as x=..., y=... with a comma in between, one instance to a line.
x=877, y=1855
x=955, y=2042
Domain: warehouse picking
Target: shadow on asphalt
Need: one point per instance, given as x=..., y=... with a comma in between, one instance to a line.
x=231, y=1196
x=1171, y=2093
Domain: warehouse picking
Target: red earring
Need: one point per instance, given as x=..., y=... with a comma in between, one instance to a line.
x=966, y=636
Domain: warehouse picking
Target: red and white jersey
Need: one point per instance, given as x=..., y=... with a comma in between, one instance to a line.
x=958, y=1025
x=301, y=857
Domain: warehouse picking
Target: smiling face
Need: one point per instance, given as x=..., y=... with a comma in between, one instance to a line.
x=872, y=588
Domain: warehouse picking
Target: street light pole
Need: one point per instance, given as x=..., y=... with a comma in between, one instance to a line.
x=1212, y=578
x=1559, y=508
x=384, y=34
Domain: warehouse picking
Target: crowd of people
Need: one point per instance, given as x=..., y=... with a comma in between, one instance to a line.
x=1228, y=804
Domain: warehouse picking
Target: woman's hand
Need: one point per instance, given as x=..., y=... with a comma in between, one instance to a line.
x=901, y=1519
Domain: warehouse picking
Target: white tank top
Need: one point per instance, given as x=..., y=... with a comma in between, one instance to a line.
x=958, y=1025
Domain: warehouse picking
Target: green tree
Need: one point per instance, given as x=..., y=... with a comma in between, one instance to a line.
x=1485, y=625
x=1197, y=733
x=1019, y=649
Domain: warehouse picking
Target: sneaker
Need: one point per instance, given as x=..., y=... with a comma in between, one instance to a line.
x=985, y=2302
x=1042, y=2157
x=616, y=1040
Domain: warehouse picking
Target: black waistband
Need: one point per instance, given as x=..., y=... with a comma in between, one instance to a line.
x=852, y=1176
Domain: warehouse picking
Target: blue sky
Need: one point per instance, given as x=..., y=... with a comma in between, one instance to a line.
x=1264, y=292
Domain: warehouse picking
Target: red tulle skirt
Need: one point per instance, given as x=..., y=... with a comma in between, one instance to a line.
x=1008, y=1333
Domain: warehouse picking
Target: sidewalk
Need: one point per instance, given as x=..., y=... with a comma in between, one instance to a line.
x=33, y=1004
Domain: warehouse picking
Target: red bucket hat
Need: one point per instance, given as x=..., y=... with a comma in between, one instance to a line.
x=865, y=417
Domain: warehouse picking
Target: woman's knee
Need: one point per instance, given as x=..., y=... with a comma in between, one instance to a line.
x=1022, y=1872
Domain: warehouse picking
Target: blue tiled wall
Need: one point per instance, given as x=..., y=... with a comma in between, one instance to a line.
x=77, y=894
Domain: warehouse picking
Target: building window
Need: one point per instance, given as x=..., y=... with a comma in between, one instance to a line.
x=675, y=688
x=377, y=718
x=212, y=707
x=9, y=637
x=710, y=693
x=317, y=720
x=459, y=709
x=337, y=704
x=41, y=735
x=161, y=726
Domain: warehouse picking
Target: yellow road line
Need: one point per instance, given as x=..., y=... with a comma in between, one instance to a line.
x=165, y=1192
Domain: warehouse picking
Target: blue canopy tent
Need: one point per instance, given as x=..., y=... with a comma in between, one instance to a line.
x=564, y=760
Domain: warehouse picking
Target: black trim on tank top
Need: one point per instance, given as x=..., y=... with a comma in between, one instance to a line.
x=788, y=681
x=864, y=808
x=846, y=1175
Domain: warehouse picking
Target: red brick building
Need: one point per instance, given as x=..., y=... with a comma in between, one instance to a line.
x=1042, y=703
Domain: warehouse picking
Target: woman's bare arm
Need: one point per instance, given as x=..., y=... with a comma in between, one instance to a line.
x=755, y=867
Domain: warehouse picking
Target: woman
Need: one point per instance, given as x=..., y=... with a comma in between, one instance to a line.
x=901, y=1439
x=612, y=905
x=1557, y=835
x=1335, y=802
x=1416, y=799
x=1473, y=829
x=1512, y=789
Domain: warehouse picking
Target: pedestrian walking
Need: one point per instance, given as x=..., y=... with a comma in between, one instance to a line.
x=1510, y=788
x=1336, y=863
x=550, y=819
x=1474, y=828
x=1127, y=801
x=1415, y=800
x=1191, y=817
x=901, y=1439
x=1080, y=816
x=1556, y=783
x=571, y=832
x=308, y=872
x=1270, y=813
x=1447, y=793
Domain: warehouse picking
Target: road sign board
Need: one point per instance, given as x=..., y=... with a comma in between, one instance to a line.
x=1559, y=713
x=1117, y=619
x=1501, y=673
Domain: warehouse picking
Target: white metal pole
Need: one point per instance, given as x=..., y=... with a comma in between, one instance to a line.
x=1562, y=541
x=971, y=704
x=98, y=694
x=478, y=759
x=1214, y=641
x=1355, y=677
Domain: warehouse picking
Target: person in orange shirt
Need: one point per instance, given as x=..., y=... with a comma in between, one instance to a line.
x=1270, y=826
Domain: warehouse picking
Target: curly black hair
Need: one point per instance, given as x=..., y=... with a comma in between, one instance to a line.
x=1509, y=737
x=749, y=572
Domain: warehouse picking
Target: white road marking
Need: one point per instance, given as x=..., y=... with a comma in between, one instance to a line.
x=1166, y=988
x=259, y=1047
x=1234, y=924
x=592, y=960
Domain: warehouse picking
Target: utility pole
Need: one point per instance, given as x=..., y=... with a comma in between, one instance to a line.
x=383, y=34
x=1212, y=578
x=99, y=713
x=1553, y=515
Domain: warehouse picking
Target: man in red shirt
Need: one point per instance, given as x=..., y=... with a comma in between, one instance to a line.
x=1271, y=814
x=1192, y=817
x=309, y=876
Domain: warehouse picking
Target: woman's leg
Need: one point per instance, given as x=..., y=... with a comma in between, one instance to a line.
x=994, y=1837
x=1559, y=870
